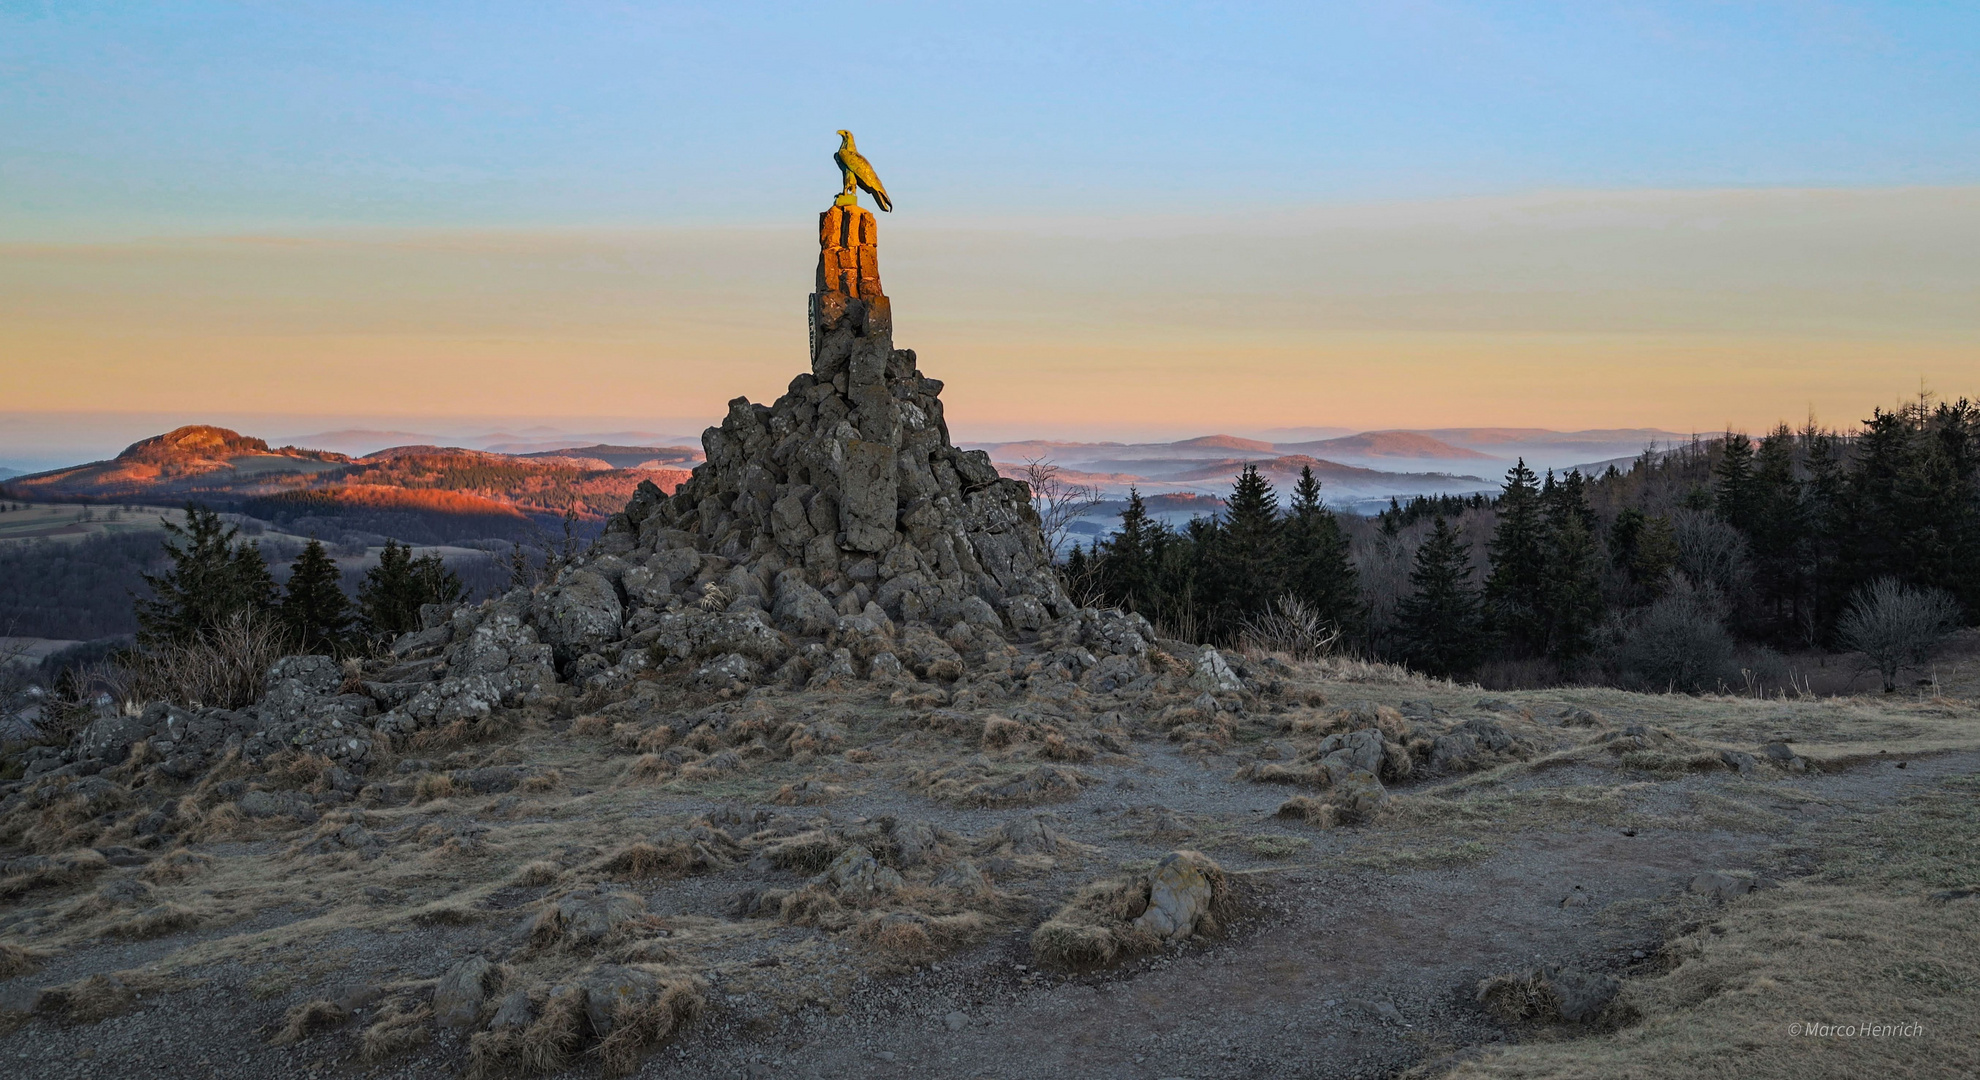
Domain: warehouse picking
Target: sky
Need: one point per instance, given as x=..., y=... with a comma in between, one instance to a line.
x=1203, y=217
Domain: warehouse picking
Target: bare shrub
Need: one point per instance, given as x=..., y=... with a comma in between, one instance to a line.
x=1292, y=627
x=1677, y=643
x=1711, y=552
x=1896, y=626
x=227, y=667
x=1058, y=501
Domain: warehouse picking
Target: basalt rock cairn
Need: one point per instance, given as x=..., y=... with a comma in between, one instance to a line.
x=837, y=531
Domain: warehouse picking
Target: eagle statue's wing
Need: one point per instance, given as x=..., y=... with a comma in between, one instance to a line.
x=862, y=171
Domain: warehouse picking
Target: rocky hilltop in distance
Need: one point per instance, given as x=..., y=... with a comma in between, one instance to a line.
x=426, y=494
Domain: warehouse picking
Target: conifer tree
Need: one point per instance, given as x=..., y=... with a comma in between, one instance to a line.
x=1573, y=596
x=1516, y=591
x=314, y=606
x=1315, y=554
x=1127, y=559
x=395, y=589
x=1732, y=493
x=1239, y=556
x=212, y=578
x=1439, y=624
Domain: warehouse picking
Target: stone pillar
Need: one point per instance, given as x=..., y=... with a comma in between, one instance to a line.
x=848, y=252
x=848, y=295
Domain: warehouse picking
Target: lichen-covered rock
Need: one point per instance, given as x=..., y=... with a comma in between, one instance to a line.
x=1179, y=895
x=588, y=915
x=856, y=871
x=458, y=997
x=579, y=613
x=1213, y=674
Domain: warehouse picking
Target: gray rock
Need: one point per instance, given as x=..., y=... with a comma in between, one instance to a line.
x=591, y=914
x=857, y=871
x=610, y=990
x=579, y=613
x=514, y=1013
x=1179, y=895
x=1214, y=675
x=457, y=998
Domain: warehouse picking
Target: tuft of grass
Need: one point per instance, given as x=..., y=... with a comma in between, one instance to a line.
x=400, y=1026
x=18, y=960
x=99, y=997
x=156, y=921
x=638, y=1027
x=540, y=872
x=1275, y=846
x=308, y=1019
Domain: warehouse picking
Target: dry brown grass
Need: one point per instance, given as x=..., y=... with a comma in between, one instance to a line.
x=176, y=866
x=540, y=872
x=309, y=1018
x=63, y=869
x=636, y=1028
x=156, y=921
x=18, y=960
x=401, y=1025
x=99, y=997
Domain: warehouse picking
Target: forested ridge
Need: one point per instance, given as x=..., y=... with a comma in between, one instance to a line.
x=1651, y=575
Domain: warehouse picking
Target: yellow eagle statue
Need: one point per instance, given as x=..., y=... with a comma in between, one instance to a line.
x=859, y=171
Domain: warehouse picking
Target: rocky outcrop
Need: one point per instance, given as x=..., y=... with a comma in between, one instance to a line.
x=844, y=494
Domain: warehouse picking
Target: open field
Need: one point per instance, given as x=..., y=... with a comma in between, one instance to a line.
x=1350, y=949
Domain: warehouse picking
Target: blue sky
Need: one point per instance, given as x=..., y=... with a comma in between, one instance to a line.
x=126, y=120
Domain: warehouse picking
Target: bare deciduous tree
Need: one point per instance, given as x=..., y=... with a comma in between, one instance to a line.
x=1896, y=626
x=1058, y=501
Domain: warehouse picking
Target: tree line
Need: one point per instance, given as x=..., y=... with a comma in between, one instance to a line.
x=1652, y=575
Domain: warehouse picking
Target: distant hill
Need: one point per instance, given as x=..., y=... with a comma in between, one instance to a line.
x=1285, y=469
x=423, y=494
x=1225, y=442
x=1387, y=444
x=625, y=457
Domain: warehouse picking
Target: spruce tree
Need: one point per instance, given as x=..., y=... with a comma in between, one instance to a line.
x=1125, y=561
x=213, y=577
x=395, y=589
x=1439, y=625
x=314, y=607
x=1779, y=529
x=1317, y=569
x=1732, y=489
x=1573, y=593
x=1516, y=590
x=1239, y=556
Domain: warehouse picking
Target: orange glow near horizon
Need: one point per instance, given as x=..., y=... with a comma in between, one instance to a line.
x=1687, y=311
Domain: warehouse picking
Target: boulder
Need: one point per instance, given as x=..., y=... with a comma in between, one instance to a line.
x=1180, y=893
x=458, y=997
x=588, y=915
x=610, y=989
x=579, y=613
x=1213, y=674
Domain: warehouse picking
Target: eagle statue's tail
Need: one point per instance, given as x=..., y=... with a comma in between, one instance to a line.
x=880, y=197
